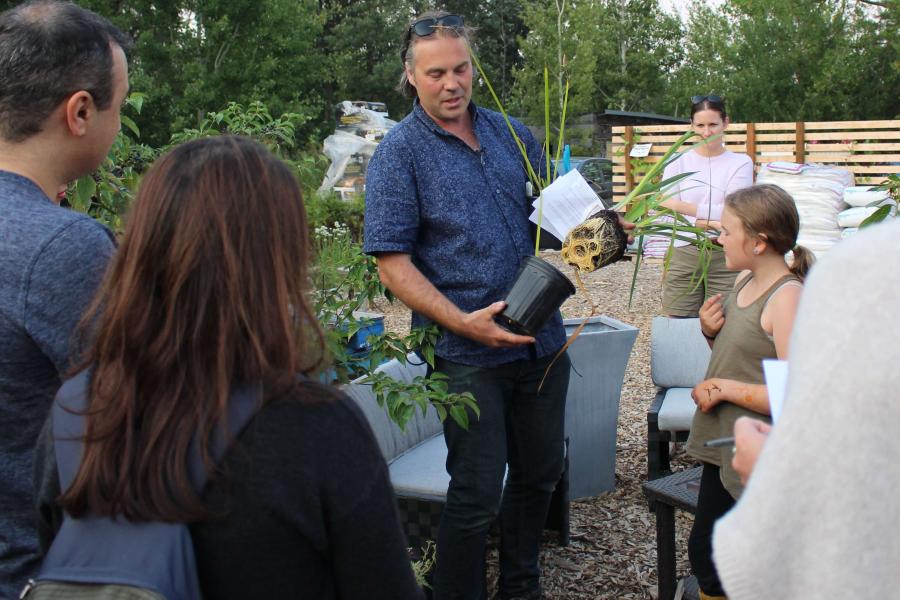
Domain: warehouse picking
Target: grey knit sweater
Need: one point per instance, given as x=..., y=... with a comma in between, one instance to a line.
x=820, y=518
x=51, y=261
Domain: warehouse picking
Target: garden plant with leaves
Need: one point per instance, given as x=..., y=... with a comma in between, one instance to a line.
x=346, y=283
x=891, y=185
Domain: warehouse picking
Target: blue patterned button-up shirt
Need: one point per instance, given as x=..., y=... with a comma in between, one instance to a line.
x=462, y=216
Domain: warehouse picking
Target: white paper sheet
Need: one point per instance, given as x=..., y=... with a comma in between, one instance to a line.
x=568, y=201
x=776, y=374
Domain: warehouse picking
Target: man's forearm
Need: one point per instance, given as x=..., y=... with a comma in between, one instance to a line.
x=412, y=288
x=406, y=281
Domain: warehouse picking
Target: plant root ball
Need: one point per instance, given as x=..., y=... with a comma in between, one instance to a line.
x=597, y=242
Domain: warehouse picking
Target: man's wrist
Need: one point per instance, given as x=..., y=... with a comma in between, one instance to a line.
x=707, y=336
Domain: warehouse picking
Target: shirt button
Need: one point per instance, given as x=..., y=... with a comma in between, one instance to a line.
x=498, y=190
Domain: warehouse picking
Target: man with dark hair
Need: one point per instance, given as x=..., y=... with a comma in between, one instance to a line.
x=63, y=79
x=447, y=219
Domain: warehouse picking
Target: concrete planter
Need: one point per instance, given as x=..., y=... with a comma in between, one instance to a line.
x=599, y=357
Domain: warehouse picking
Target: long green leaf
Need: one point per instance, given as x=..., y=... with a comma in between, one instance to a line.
x=877, y=217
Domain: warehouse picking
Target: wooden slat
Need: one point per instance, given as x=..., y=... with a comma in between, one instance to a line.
x=851, y=136
x=774, y=127
x=785, y=126
x=854, y=125
x=800, y=143
x=830, y=135
x=750, y=148
x=629, y=143
x=875, y=169
x=849, y=158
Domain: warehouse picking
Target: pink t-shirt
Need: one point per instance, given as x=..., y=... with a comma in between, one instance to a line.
x=714, y=178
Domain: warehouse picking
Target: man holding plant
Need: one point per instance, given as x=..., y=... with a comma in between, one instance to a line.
x=447, y=219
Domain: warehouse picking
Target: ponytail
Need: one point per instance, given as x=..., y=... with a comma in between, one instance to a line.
x=803, y=261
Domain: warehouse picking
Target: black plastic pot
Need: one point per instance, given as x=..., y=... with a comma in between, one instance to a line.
x=538, y=292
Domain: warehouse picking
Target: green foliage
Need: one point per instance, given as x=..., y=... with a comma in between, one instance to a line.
x=615, y=55
x=499, y=24
x=892, y=186
x=107, y=193
x=638, y=46
x=255, y=121
x=347, y=281
x=787, y=61
x=773, y=60
x=425, y=564
x=326, y=209
x=278, y=134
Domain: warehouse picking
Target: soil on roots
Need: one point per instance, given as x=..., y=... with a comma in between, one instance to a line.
x=596, y=243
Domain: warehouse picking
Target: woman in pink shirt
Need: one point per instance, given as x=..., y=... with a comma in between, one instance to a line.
x=701, y=197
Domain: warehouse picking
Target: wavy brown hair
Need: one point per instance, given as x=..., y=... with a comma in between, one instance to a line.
x=208, y=289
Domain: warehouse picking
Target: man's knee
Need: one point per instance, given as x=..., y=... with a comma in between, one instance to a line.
x=472, y=509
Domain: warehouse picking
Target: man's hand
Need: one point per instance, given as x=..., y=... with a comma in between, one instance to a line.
x=627, y=226
x=712, y=316
x=750, y=436
x=481, y=327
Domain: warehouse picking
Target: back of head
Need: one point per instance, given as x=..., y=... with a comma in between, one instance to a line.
x=767, y=211
x=208, y=289
x=410, y=38
x=48, y=51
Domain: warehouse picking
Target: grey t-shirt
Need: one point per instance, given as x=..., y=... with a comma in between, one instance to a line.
x=51, y=262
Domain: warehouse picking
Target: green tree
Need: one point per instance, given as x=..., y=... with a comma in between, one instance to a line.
x=638, y=47
x=565, y=45
x=616, y=55
x=803, y=60
x=498, y=26
x=706, y=67
x=362, y=41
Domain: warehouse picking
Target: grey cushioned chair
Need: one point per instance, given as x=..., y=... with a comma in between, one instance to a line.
x=679, y=356
x=417, y=457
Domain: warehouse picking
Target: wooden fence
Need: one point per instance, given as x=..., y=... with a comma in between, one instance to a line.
x=870, y=149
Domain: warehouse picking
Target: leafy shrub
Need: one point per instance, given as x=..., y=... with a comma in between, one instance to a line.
x=324, y=209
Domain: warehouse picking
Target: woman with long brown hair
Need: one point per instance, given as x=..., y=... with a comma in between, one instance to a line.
x=207, y=295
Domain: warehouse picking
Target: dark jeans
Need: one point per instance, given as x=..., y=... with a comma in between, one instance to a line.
x=713, y=501
x=518, y=426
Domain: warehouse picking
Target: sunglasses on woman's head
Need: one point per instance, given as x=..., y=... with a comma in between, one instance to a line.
x=426, y=26
x=711, y=98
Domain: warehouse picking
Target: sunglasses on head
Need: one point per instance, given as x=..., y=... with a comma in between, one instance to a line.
x=426, y=26
x=711, y=98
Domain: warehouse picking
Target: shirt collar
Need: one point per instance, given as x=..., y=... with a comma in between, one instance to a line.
x=434, y=127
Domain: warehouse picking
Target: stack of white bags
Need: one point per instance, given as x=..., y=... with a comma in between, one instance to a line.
x=863, y=201
x=818, y=192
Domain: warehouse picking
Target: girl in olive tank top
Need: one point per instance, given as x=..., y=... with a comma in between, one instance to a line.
x=759, y=227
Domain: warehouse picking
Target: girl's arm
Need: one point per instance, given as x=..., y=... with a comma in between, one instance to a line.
x=680, y=206
x=777, y=320
x=754, y=396
x=778, y=316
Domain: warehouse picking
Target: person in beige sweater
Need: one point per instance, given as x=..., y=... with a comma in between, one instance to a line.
x=819, y=518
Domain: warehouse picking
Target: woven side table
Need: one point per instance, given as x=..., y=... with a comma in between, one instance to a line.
x=678, y=490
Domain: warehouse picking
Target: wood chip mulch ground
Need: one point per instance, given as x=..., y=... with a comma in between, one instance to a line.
x=612, y=553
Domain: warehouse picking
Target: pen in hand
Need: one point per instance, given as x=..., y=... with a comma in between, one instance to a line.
x=719, y=442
